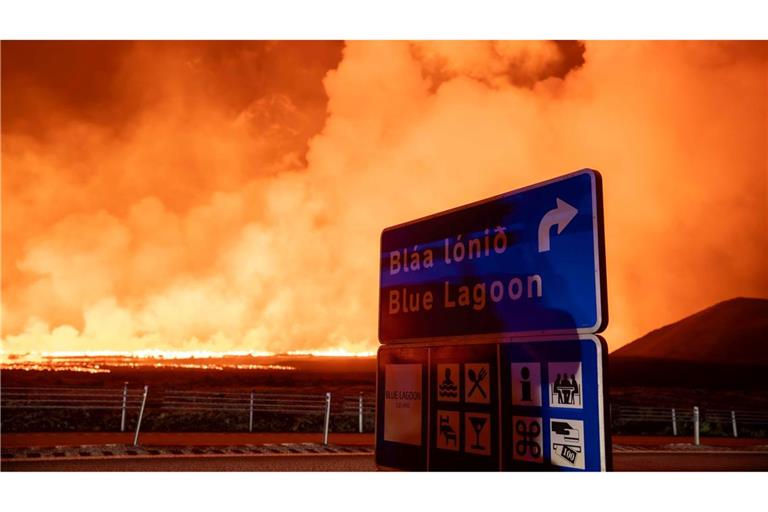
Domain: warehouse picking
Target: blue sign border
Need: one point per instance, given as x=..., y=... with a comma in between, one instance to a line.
x=418, y=458
x=598, y=229
x=575, y=348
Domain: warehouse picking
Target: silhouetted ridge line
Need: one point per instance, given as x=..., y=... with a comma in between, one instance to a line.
x=730, y=332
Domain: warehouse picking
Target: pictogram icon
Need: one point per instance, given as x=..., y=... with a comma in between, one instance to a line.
x=448, y=430
x=448, y=379
x=526, y=384
x=567, y=443
x=476, y=383
x=527, y=439
x=477, y=437
x=565, y=385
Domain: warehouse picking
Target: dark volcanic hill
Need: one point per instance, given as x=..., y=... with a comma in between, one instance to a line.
x=730, y=332
x=723, y=346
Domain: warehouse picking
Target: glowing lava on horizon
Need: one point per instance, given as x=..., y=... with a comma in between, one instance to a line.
x=99, y=361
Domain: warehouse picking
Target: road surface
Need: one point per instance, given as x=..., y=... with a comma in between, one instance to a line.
x=691, y=461
x=10, y=440
x=624, y=461
x=360, y=462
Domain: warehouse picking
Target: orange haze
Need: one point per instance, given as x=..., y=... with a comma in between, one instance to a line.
x=229, y=196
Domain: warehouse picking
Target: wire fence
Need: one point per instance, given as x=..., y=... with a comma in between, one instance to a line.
x=197, y=409
x=72, y=398
x=685, y=420
x=177, y=409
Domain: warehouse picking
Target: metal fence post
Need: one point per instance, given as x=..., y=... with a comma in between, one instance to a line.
x=250, y=416
x=733, y=424
x=611, y=419
x=360, y=413
x=674, y=422
x=327, y=423
x=696, y=439
x=125, y=403
x=141, y=415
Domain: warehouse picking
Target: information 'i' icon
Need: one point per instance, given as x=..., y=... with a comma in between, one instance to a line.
x=526, y=384
x=525, y=373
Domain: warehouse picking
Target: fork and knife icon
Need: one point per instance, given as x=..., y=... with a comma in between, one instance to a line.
x=476, y=379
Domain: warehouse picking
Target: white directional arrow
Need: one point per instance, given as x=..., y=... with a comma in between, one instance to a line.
x=562, y=216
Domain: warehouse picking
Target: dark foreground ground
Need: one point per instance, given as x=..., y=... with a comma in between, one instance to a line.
x=305, y=452
x=623, y=461
x=703, y=461
x=349, y=462
x=193, y=439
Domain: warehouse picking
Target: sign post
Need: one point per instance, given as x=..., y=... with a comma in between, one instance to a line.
x=487, y=315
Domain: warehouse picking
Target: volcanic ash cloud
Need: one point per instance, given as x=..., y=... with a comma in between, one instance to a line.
x=203, y=226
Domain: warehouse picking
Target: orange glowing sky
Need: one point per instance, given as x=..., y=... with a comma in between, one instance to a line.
x=230, y=196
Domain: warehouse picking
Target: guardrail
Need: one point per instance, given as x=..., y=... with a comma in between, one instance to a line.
x=361, y=405
x=324, y=406
x=236, y=403
x=62, y=398
x=678, y=416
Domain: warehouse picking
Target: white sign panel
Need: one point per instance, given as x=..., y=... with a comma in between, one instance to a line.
x=477, y=383
x=527, y=439
x=402, y=403
x=448, y=430
x=526, y=384
x=565, y=385
x=448, y=389
x=567, y=439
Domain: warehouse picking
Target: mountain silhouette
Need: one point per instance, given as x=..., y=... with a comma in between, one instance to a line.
x=723, y=346
x=734, y=331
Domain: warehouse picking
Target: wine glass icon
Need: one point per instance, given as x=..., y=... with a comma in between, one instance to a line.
x=478, y=422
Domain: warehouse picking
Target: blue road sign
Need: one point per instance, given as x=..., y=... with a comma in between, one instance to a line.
x=554, y=403
x=521, y=404
x=529, y=262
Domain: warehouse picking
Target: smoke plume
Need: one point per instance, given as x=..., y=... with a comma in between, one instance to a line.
x=230, y=196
